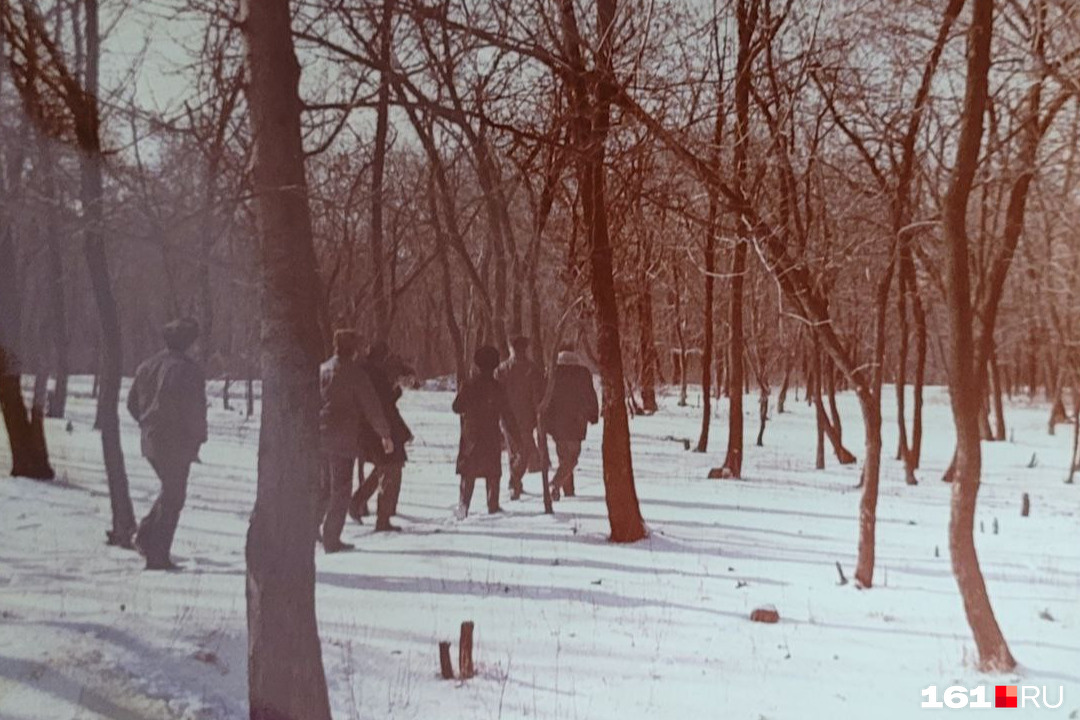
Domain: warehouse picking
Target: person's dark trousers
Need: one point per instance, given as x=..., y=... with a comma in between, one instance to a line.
x=156, y=531
x=519, y=465
x=334, y=498
x=469, y=483
x=568, y=453
x=385, y=478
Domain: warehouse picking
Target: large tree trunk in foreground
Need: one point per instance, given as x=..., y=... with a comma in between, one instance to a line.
x=286, y=680
x=591, y=122
x=91, y=193
x=964, y=375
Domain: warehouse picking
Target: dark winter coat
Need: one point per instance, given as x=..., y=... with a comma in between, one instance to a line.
x=573, y=403
x=388, y=394
x=482, y=403
x=524, y=386
x=168, y=400
x=349, y=405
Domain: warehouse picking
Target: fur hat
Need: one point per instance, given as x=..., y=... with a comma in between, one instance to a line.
x=520, y=344
x=180, y=334
x=486, y=358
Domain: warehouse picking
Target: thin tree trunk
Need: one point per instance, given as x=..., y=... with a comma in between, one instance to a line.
x=378, y=170
x=999, y=403
x=286, y=680
x=647, y=341
x=747, y=21
x=57, y=286
x=92, y=196
x=965, y=393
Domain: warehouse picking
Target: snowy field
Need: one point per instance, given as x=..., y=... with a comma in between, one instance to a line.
x=568, y=626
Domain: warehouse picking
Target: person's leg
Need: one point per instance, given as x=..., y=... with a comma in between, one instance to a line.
x=146, y=536
x=519, y=465
x=560, y=472
x=391, y=479
x=468, y=482
x=341, y=469
x=395, y=489
x=493, y=484
x=322, y=502
x=173, y=497
x=573, y=454
x=358, y=506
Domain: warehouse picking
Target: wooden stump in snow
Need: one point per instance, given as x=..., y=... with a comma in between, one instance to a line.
x=465, y=658
x=1025, y=505
x=445, y=663
x=765, y=614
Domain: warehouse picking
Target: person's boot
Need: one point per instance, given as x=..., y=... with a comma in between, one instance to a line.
x=338, y=546
x=386, y=527
x=357, y=510
x=123, y=540
x=165, y=565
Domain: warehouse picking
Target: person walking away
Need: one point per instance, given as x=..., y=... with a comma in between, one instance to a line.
x=524, y=384
x=573, y=406
x=384, y=371
x=481, y=401
x=168, y=400
x=349, y=404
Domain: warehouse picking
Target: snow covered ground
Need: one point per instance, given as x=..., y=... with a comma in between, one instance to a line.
x=568, y=626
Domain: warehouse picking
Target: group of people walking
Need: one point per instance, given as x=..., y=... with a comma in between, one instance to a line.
x=506, y=403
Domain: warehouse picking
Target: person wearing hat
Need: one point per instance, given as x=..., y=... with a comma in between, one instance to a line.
x=384, y=370
x=482, y=403
x=168, y=400
x=349, y=405
x=572, y=408
x=524, y=385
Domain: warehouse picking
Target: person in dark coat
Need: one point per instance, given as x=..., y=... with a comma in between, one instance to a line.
x=573, y=407
x=524, y=384
x=482, y=403
x=349, y=406
x=384, y=370
x=168, y=400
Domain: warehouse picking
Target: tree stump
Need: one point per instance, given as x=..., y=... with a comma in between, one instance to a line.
x=446, y=665
x=465, y=658
x=1025, y=505
x=765, y=614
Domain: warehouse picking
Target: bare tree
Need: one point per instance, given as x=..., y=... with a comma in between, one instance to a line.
x=286, y=680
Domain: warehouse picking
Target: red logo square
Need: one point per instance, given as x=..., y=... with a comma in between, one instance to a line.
x=1005, y=696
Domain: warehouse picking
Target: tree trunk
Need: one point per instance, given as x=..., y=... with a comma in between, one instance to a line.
x=999, y=403
x=378, y=170
x=91, y=193
x=711, y=231
x=747, y=20
x=920, y=383
x=871, y=475
x=286, y=680
x=648, y=340
x=57, y=286
x=965, y=393
x=591, y=123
